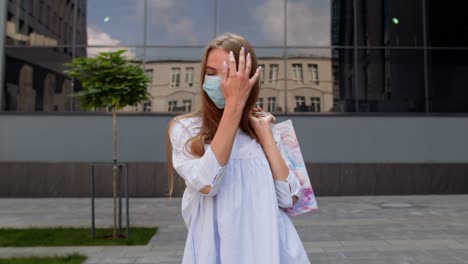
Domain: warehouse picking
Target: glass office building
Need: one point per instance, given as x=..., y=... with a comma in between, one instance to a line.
x=321, y=56
x=375, y=88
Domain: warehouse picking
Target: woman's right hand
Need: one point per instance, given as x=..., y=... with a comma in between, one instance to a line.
x=261, y=125
x=235, y=83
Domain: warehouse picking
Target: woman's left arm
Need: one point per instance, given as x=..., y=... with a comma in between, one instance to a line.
x=286, y=184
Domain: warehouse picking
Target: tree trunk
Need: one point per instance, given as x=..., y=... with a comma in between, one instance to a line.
x=115, y=171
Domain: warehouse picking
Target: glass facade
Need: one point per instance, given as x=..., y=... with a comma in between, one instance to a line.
x=321, y=56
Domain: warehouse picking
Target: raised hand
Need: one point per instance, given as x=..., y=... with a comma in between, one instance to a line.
x=235, y=82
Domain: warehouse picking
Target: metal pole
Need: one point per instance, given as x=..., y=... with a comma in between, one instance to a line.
x=215, y=29
x=145, y=32
x=93, y=232
x=285, y=54
x=426, y=78
x=126, y=199
x=3, y=12
x=356, y=72
x=75, y=13
x=119, y=190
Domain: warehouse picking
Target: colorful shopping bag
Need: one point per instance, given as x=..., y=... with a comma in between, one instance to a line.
x=306, y=201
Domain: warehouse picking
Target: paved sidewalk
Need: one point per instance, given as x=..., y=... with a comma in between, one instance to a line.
x=349, y=230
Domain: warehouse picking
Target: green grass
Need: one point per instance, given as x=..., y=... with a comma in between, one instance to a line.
x=62, y=236
x=71, y=259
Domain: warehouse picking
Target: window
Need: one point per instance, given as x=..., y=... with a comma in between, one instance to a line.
x=147, y=107
x=30, y=6
x=271, y=104
x=273, y=73
x=41, y=11
x=315, y=104
x=60, y=28
x=300, y=104
x=262, y=73
x=167, y=26
x=172, y=105
x=149, y=72
x=175, y=77
x=187, y=105
x=65, y=31
x=297, y=72
x=313, y=73
x=189, y=76
x=21, y=25
x=55, y=21
x=260, y=102
x=300, y=100
x=48, y=18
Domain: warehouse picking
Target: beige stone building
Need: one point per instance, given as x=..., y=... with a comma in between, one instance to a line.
x=175, y=85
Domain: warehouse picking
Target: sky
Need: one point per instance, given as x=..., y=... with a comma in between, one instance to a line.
x=190, y=22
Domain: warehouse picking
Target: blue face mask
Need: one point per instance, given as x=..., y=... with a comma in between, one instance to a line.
x=212, y=87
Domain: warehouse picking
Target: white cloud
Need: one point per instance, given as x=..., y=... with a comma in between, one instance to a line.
x=167, y=16
x=305, y=26
x=100, y=38
x=96, y=37
x=268, y=20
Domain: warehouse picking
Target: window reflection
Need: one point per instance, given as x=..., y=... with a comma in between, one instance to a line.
x=297, y=72
x=40, y=23
x=313, y=76
x=305, y=93
x=313, y=70
x=134, y=55
x=262, y=73
x=271, y=106
x=391, y=80
x=179, y=22
x=390, y=23
x=446, y=23
x=309, y=22
x=110, y=23
x=176, y=83
x=315, y=104
x=272, y=87
x=273, y=72
x=175, y=77
x=261, y=21
x=189, y=76
x=260, y=102
x=342, y=23
x=447, y=81
x=34, y=80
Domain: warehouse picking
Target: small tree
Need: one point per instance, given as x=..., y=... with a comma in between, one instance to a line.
x=110, y=81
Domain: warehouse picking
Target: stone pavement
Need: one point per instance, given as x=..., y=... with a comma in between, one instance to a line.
x=430, y=229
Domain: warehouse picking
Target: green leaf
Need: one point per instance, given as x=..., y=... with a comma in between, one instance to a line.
x=109, y=80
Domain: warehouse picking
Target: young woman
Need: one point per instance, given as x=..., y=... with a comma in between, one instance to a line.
x=238, y=180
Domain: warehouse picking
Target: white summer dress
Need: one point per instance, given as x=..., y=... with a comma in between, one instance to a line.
x=240, y=221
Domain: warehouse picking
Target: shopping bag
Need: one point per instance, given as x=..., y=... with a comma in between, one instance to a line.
x=306, y=201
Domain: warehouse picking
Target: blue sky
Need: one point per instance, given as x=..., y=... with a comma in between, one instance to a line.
x=187, y=22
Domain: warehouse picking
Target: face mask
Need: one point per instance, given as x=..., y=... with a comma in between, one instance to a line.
x=212, y=87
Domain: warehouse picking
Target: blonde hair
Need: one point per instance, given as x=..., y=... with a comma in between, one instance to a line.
x=208, y=111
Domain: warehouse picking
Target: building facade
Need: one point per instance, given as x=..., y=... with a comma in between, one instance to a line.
x=34, y=82
x=375, y=89
x=176, y=86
